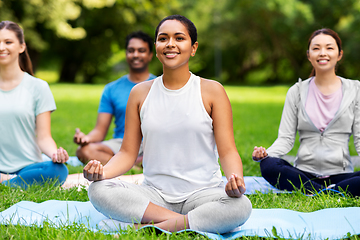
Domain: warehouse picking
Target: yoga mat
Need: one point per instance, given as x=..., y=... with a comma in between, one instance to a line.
x=73, y=160
x=332, y=223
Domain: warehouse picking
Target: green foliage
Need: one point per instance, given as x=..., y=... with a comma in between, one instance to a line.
x=241, y=42
x=38, y=16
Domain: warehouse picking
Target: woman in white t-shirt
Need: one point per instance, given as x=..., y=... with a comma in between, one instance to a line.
x=180, y=117
x=25, y=106
x=325, y=110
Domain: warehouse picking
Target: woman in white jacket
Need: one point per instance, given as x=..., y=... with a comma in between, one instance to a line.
x=325, y=110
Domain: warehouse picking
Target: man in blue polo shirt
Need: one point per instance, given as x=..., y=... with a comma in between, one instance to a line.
x=113, y=103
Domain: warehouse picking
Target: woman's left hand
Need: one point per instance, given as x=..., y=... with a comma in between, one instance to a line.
x=61, y=156
x=235, y=187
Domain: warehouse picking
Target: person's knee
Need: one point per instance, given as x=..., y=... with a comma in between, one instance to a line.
x=95, y=188
x=57, y=170
x=270, y=167
x=242, y=209
x=83, y=153
x=62, y=172
x=96, y=151
x=99, y=190
x=232, y=213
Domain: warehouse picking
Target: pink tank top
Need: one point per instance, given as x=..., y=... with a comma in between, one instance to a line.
x=322, y=108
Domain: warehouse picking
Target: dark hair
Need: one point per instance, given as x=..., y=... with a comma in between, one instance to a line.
x=187, y=23
x=140, y=35
x=326, y=31
x=24, y=58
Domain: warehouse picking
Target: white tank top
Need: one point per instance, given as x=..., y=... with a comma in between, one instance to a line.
x=178, y=140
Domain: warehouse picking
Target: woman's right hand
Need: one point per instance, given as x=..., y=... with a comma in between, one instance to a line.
x=80, y=137
x=94, y=171
x=259, y=153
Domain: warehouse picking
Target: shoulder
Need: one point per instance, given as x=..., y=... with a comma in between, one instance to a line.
x=139, y=92
x=35, y=80
x=143, y=87
x=213, y=94
x=211, y=86
x=35, y=83
x=350, y=82
x=351, y=88
x=299, y=87
x=116, y=86
x=117, y=81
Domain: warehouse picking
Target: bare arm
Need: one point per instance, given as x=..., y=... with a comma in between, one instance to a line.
x=45, y=141
x=126, y=157
x=98, y=134
x=216, y=101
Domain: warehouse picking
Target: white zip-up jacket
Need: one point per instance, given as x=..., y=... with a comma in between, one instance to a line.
x=320, y=153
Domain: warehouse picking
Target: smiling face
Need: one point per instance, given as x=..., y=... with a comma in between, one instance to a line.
x=138, y=55
x=10, y=48
x=173, y=45
x=324, y=53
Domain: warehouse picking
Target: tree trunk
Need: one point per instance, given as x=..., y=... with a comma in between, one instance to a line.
x=68, y=71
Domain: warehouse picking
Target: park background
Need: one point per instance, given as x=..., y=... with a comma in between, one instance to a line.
x=255, y=48
x=247, y=42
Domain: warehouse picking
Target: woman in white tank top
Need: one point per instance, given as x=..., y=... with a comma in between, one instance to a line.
x=180, y=117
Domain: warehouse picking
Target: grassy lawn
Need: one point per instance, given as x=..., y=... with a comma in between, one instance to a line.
x=256, y=113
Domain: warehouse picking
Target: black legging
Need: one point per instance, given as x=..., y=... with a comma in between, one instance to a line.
x=284, y=176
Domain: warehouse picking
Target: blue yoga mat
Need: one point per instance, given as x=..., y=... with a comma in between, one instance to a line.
x=73, y=160
x=332, y=223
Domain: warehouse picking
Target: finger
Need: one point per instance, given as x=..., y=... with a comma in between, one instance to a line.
x=76, y=136
x=66, y=155
x=88, y=165
x=234, y=186
x=96, y=172
x=256, y=154
x=228, y=190
x=233, y=181
x=59, y=156
x=54, y=158
x=241, y=184
x=90, y=172
x=86, y=170
x=242, y=189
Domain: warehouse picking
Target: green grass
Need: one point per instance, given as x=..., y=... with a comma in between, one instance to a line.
x=256, y=113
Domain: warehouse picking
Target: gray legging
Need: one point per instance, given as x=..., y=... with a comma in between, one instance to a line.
x=209, y=210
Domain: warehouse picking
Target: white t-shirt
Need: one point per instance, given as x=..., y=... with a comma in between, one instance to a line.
x=178, y=140
x=18, y=110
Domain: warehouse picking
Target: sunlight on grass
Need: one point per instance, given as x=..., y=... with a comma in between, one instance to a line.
x=77, y=92
x=275, y=94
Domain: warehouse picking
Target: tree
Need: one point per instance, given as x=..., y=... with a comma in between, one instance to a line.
x=39, y=17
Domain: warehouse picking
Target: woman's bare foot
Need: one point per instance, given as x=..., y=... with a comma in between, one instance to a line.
x=5, y=177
